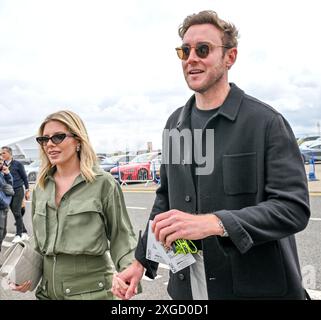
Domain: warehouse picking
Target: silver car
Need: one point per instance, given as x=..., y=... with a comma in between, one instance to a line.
x=32, y=170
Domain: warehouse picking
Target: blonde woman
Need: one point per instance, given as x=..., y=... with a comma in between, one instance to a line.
x=78, y=214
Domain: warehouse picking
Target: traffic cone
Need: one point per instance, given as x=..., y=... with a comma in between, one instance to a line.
x=312, y=176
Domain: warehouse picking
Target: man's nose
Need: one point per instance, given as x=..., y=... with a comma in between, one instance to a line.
x=192, y=56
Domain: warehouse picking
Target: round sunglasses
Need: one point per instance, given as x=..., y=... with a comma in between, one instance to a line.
x=56, y=138
x=202, y=50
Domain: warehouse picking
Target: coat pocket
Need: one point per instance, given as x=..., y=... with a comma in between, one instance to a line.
x=259, y=273
x=239, y=173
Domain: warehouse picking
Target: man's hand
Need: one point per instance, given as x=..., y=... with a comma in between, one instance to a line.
x=174, y=224
x=27, y=195
x=125, y=283
x=5, y=169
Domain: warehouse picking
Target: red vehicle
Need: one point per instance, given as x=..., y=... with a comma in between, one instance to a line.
x=138, y=169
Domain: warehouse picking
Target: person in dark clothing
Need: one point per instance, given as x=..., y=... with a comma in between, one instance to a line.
x=23, y=208
x=20, y=181
x=244, y=204
x=6, y=191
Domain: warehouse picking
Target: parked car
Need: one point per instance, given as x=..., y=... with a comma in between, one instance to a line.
x=108, y=163
x=123, y=158
x=308, y=143
x=24, y=161
x=138, y=169
x=32, y=170
x=101, y=156
x=307, y=138
x=313, y=150
x=155, y=167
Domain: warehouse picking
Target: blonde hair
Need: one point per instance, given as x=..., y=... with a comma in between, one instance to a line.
x=86, y=154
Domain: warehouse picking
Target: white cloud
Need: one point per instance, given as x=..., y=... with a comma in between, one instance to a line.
x=114, y=63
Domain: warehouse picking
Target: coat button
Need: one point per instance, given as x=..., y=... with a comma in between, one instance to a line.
x=181, y=276
x=67, y=291
x=100, y=285
x=187, y=198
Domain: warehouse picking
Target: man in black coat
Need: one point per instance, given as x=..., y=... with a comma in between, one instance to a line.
x=243, y=202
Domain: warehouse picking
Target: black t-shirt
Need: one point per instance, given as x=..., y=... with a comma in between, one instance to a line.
x=199, y=119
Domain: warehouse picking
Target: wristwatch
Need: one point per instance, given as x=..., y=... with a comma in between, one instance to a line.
x=225, y=233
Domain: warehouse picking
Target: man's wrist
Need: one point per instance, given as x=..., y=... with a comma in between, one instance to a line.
x=224, y=232
x=138, y=265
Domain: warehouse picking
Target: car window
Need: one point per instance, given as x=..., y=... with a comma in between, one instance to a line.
x=34, y=164
x=144, y=157
x=107, y=161
x=118, y=158
x=307, y=138
x=315, y=146
x=125, y=158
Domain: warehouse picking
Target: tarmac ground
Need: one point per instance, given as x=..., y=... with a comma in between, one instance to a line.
x=314, y=184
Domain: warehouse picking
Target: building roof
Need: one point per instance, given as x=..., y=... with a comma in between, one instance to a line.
x=9, y=141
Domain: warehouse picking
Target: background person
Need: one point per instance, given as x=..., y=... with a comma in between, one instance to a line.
x=244, y=214
x=5, y=198
x=20, y=181
x=78, y=213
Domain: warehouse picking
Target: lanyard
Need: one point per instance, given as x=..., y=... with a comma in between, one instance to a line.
x=184, y=246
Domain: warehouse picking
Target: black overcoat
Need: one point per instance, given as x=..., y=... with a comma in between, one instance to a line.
x=258, y=188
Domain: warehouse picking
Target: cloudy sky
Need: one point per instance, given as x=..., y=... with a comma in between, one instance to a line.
x=114, y=63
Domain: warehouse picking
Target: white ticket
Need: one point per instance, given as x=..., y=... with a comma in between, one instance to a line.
x=156, y=252
x=154, y=247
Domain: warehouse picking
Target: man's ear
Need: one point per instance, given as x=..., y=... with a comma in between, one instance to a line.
x=231, y=56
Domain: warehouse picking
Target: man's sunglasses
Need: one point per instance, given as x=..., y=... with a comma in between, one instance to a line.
x=202, y=50
x=56, y=138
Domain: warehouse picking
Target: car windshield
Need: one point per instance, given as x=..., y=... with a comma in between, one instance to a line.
x=118, y=158
x=36, y=163
x=315, y=145
x=146, y=157
x=107, y=161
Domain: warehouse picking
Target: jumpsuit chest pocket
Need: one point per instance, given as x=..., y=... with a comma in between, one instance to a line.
x=84, y=228
x=239, y=173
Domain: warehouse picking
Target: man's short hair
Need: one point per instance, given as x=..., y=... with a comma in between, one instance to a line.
x=229, y=31
x=7, y=149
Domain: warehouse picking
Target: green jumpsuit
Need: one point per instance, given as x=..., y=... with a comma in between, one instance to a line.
x=81, y=239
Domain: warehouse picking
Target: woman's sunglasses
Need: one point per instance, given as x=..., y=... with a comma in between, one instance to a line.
x=56, y=138
x=202, y=50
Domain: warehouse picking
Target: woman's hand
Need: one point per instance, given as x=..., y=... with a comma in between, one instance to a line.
x=125, y=283
x=21, y=288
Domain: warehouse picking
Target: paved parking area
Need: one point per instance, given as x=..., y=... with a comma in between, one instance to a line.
x=139, y=199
